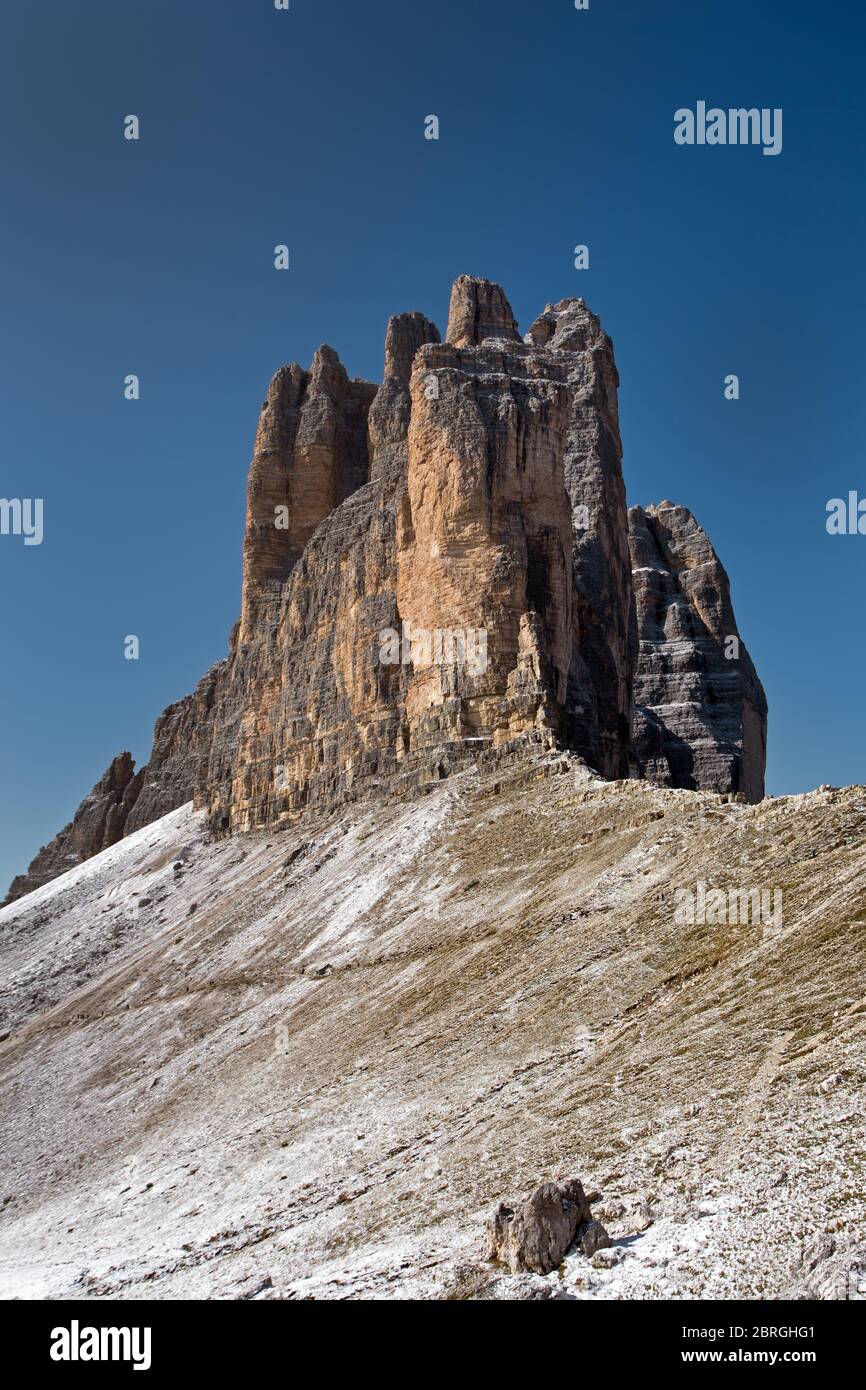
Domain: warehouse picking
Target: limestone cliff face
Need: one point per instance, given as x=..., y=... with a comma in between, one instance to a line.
x=701, y=712
x=310, y=454
x=475, y=590
x=99, y=822
x=440, y=566
x=484, y=541
x=310, y=711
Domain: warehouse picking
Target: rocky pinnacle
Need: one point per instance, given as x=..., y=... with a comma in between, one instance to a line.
x=472, y=506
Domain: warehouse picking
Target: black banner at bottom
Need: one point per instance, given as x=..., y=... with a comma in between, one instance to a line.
x=160, y=1338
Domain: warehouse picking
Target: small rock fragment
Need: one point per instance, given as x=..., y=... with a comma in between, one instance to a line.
x=592, y=1236
x=606, y=1257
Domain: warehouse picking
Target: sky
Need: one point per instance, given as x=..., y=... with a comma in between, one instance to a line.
x=305, y=127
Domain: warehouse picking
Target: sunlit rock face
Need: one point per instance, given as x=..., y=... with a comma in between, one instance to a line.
x=491, y=538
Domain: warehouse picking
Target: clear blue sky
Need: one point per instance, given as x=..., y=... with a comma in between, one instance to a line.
x=306, y=127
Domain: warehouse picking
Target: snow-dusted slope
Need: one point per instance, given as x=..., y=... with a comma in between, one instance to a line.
x=318, y=1057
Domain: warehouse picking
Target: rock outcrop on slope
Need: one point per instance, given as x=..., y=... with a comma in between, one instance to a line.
x=101, y=820
x=439, y=566
x=536, y=1233
x=700, y=710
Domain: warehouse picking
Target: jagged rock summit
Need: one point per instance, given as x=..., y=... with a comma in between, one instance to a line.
x=440, y=568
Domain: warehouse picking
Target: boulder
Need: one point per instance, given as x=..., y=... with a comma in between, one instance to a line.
x=536, y=1233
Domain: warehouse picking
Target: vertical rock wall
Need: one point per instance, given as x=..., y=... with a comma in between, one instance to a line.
x=701, y=712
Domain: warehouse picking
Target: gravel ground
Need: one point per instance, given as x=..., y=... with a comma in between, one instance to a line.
x=308, y=1064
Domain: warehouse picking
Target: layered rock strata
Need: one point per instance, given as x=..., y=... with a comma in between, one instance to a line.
x=700, y=709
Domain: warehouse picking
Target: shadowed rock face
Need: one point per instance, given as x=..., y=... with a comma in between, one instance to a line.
x=388, y=422
x=100, y=821
x=701, y=712
x=440, y=566
x=308, y=709
x=182, y=739
x=604, y=634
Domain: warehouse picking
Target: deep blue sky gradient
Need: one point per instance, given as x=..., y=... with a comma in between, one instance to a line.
x=306, y=127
